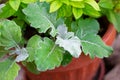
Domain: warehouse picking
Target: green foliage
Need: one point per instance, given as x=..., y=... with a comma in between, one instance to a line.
x=41, y=19
x=46, y=54
x=44, y=34
x=79, y=7
x=10, y=34
x=8, y=70
x=6, y=11
x=91, y=43
x=14, y=4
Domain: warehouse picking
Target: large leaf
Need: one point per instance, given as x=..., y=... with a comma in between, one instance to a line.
x=8, y=70
x=46, y=54
x=6, y=11
x=32, y=47
x=92, y=44
x=85, y=26
x=68, y=41
x=40, y=18
x=10, y=34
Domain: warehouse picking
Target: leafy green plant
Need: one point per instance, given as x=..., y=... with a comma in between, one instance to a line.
x=44, y=34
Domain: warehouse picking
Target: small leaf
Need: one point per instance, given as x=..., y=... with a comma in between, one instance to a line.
x=66, y=59
x=90, y=11
x=8, y=70
x=31, y=67
x=68, y=41
x=10, y=34
x=77, y=12
x=6, y=11
x=106, y=4
x=55, y=5
x=14, y=4
x=40, y=18
x=77, y=4
x=64, y=11
x=93, y=3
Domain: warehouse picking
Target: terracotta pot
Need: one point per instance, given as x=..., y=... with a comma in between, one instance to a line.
x=82, y=68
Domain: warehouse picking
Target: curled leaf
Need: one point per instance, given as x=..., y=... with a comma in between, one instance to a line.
x=68, y=41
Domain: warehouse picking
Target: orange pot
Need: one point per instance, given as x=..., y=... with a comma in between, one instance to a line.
x=82, y=68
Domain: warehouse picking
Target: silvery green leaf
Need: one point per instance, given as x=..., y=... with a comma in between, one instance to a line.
x=68, y=41
x=39, y=17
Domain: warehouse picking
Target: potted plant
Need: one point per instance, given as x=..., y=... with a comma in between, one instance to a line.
x=56, y=38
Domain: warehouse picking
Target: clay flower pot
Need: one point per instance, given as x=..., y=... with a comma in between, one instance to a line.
x=82, y=68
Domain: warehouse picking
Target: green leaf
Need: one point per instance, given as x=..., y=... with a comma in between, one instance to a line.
x=31, y=67
x=90, y=11
x=77, y=12
x=32, y=47
x=77, y=4
x=8, y=70
x=14, y=4
x=46, y=54
x=65, y=38
x=66, y=59
x=115, y=19
x=64, y=11
x=94, y=46
x=65, y=1
x=91, y=43
x=85, y=27
x=10, y=34
x=6, y=11
x=3, y=52
x=55, y=5
x=28, y=1
x=76, y=0
x=40, y=18
x=106, y=4
x=93, y=3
